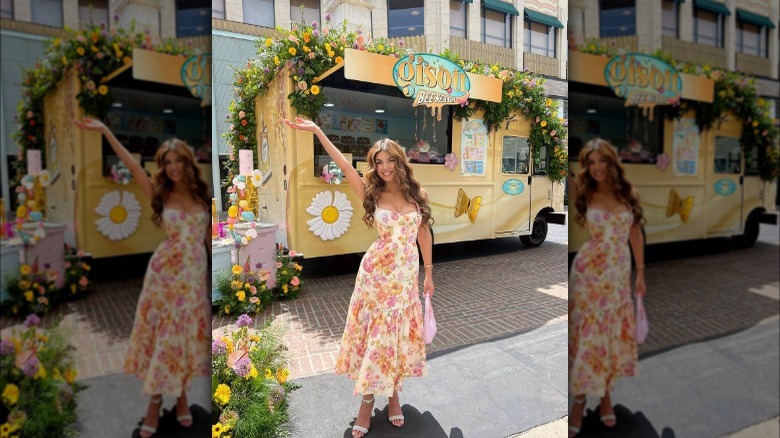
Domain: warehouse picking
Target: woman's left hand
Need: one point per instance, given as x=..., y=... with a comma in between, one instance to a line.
x=428, y=286
x=640, y=288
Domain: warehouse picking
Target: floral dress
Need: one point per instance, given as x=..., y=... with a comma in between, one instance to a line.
x=169, y=345
x=382, y=341
x=601, y=322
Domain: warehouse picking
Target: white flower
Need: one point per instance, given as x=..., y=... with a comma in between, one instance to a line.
x=240, y=182
x=251, y=233
x=40, y=233
x=244, y=241
x=28, y=181
x=120, y=212
x=332, y=215
x=44, y=178
x=257, y=178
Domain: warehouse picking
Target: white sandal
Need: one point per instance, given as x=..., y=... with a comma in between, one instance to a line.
x=574, y=430
x=363, y=430
x=149, y=431
x=184, y=418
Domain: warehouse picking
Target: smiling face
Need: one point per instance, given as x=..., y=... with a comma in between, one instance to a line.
x=598, y=166
x=173, y=165
x=385, y=165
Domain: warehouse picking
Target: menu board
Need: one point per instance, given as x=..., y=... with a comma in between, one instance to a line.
x=473, y=144
x=685, y=147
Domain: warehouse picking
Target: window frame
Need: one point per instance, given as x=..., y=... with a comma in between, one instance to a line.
x=10, y=12
x=507, y=38
x=526, y=170
x=549, y=46
x=296, y=17
x=673, y=32
x=762, y=50
x=215, y=12
x=246, y=3
x=464, y=7
x=719, y=28
x=390, y=27
x=82, y=22
x=630, y=32
x=62, y=14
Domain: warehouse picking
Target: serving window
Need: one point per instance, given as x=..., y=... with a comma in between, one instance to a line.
x=515, y=155
x=354, y=120
x=597, y=112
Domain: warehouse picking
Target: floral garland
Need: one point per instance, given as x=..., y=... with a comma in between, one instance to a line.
x=307, y=51
x=95, y=52
x=244, y=290
x=735, y=93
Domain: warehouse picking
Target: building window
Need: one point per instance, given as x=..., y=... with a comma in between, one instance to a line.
x=193, y=17
x=539, y=39
x=458, y=18
x=496, y=28
x=218, y=9
x=7, y=9
x=515, y=155
x=93, y=12
x=670, y=16
x=707, y=28
x=47, y=12
x=405, y=18
x=752, y=39
x=311, y=11
x=260, y=12
x=617, y=18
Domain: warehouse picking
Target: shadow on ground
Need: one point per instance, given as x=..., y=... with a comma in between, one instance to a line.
x=170, y=428
x=629, y=424
x=416, y=424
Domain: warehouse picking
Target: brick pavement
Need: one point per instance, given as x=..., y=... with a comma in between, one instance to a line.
x=484, y=290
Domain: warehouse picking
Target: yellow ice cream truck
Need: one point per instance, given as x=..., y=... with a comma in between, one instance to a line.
x=104, y=212
x=693, y=184
x=480, y=186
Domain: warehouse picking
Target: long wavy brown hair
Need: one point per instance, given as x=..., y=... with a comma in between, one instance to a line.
x=410, y=187
x=616, y=177
x=163, y=185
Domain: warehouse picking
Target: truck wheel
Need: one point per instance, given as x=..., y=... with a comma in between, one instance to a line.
x=538, y=233
x=749, y=237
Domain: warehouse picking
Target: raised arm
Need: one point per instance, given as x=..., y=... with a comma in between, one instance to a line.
x=139, y=174
x=355, y=181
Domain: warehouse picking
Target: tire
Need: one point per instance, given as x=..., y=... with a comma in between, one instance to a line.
x=749, y=237
x=538, y=233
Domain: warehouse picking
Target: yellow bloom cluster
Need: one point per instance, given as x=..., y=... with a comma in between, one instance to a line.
x=222, y=394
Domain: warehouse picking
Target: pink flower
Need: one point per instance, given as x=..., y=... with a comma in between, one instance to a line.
x=265, y=275
x=552, y=133
x=278, y=265
x=295, y=281
x=302, y=85
x=254, y=300
x=293, y=253
x=253, y=290
x=450, y=161
x=83, y=281
x=241, y=114
x=311, y=55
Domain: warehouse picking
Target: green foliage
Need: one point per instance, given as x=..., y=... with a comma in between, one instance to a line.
x=244, y=290
x=288, y=275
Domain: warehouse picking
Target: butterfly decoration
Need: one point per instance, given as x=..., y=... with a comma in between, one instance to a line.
x=679, y=205
x=466, y=205
x=463, y=100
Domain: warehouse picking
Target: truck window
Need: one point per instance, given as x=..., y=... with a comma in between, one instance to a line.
x=727, y=156
x=515, y=155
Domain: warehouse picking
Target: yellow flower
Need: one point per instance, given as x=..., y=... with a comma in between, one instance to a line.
x=306, y=49
x=755, y=123
x=241, y=295
x=168, y=47
x=25, y=269
x=381, y=47
x=268, y=42
x=315, y=90
x=41, y=373
x=227, y=309
x=339, y=60
x=64, y=60
x=281, y=375
x=28, y=295
x=284, y=288
x=327, y=47
x=229, y=344
x=298, y=267
x=331, y=53
x=56, y=42
x=237, y=269
x=94, y=49
x=216, y=430
x=276, y=60
x=222, y=394
x=306, y=37
x=11, y=394
x=56, y=374
x=544, y=123
x=268, y=374
x=292, y=51
x=247, y=286
x=102, y=90
x=80, y=51
x=127, y=60
x=252, y=373
x=73, y=288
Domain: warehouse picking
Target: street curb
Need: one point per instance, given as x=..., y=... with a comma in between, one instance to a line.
x=553, y=429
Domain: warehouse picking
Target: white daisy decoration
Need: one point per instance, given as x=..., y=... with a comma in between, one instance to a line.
x=44, y=178
x=333, y=212
x=120, y=212
x=257, y=178
x=240, y=182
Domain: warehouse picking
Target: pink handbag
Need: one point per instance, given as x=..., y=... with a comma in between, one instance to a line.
x=429, y=322
x=642, y=326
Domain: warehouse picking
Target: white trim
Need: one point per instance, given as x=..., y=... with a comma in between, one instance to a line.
x=240, y=36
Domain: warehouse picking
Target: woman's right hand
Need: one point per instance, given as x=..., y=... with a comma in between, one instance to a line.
x=90, y=124
x=303, y=124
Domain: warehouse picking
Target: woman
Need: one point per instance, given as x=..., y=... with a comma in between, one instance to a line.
x=602, y=343
x=169, y=345
x=382, y=341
